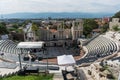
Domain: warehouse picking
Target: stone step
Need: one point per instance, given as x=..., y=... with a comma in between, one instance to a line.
x=58, y=76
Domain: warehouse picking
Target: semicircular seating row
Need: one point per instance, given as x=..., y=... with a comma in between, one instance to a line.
x=98, y=48
x=9, y=49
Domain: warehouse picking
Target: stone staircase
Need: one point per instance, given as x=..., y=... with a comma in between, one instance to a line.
x=58, y=76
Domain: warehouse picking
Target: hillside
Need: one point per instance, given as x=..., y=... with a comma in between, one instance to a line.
x=117, y=15
x=57, y=15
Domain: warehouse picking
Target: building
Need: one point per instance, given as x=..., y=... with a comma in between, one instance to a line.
x=114, y=22
x=62, y=33
x=56, y=34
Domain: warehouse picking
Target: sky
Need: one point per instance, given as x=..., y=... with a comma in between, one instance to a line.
x=39, y=6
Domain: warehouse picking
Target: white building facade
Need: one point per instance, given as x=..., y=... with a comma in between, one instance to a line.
x=114, y=22
x=62, y=33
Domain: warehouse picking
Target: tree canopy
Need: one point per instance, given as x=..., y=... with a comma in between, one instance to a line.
x=15, y=26
x=35, y=28
x=104, y=28
x=88, y=26
x=3, y=29
x=117, y=15
x=116, y=28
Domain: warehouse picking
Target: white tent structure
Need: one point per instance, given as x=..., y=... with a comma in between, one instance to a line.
x=28, y=45
x=66, y=60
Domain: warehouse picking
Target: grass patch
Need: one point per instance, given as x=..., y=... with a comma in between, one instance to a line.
x=30, y=77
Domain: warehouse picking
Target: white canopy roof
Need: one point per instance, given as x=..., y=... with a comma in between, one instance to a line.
x=65, y=60
x=30, y=44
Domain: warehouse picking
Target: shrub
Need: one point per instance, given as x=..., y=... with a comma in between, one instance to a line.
x=110, y=76
x=89, y=72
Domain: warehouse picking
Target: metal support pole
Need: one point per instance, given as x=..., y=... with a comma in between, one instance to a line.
x=47, y=59
x=20, y=59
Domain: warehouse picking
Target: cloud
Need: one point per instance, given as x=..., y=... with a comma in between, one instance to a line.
x=13, y=6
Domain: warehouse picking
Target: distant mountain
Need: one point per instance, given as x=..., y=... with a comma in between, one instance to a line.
x=57, y=15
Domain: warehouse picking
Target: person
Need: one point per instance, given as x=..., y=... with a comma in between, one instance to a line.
x=64, y=74
x=29, y=58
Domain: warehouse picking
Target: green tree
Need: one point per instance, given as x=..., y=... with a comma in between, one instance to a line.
x=116, y=28
x=27, y=21
x=3, y=29
x=104, y=28
x=88, y=26
x=20, y=30
x=15, y=26
x=35, y=28
x=117, y=15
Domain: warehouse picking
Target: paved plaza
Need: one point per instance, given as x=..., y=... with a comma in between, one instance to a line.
x=53, y=52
